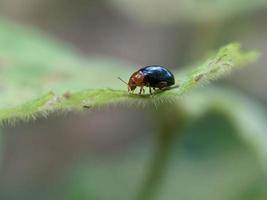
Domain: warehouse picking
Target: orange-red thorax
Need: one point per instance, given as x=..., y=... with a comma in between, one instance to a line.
x=137, y=79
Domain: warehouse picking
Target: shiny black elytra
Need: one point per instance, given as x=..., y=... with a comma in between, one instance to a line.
x=153, y=76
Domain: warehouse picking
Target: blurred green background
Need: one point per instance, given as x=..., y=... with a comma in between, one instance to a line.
x=108, y=153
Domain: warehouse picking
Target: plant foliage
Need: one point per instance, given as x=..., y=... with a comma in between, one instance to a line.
x=39, y=76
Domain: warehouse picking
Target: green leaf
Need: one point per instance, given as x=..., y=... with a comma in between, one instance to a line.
x=36, y=67
x=228, y=58
x=248, y=116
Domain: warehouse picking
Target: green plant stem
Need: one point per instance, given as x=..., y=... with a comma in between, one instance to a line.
x=157, y=167
x=170, y=122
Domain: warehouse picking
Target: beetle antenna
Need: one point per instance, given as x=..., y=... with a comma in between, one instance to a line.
x=122, y=80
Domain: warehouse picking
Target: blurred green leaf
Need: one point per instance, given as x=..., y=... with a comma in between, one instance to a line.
x=218, y=174
x=248, y=116
x=36, y=67
x=32, y=64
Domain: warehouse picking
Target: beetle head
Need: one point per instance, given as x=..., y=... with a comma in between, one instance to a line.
x=137, y=79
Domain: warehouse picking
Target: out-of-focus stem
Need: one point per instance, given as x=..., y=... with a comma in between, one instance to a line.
x=170, y=121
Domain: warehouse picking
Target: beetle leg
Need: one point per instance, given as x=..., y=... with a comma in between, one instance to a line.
x=131, y=91
x=141, y=89
x=162, y=85
x=150, y=91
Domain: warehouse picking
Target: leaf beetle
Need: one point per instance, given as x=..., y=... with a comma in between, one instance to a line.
x=153, y=76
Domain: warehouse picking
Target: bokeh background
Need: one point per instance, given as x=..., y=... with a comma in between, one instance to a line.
x=106, y=154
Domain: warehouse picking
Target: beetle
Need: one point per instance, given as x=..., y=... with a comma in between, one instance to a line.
x=153, y=76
